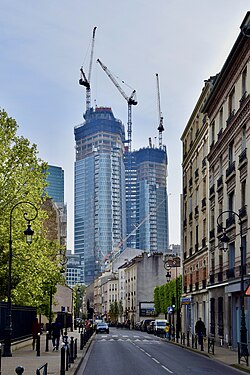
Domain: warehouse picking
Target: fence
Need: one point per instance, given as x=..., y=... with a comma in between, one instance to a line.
x=20, y=314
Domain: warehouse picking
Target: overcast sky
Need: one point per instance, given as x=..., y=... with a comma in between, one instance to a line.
x=44, y=43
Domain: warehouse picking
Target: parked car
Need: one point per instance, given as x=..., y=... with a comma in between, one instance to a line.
x=138, y=325
x=160, y=326
x=102, y=327
x=145, y=323
x=150, y=327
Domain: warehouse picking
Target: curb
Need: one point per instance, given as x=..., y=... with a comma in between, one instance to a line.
x=85, y=349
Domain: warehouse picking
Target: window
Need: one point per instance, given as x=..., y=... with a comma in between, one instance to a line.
x=231, y=103
x=243, y=138
x=220, y=166
x=243, y=193
x=244, y=82
x=221, y=119
x=231, y=201
x=230, y=153
x=212, y=132
x=231, y=256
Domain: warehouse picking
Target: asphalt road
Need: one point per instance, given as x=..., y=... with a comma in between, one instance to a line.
x=127, y=352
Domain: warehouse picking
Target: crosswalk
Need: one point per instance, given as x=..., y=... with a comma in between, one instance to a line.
x=131, y=338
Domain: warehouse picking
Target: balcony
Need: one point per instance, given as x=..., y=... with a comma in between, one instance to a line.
x=204, y=163
x=211, y=279
x=220, y=182
x=204, y=284
x=196, y=286
x=220, y=133
x=243, y=212
x=243, y=98
x=230, y=169
x=196, y=173
x=203, y=203
x=230, y=221
x=220, y=276
x=203, y=242
x=230, y=117
x=211, y=234
x=242, y=157
x=211, y=191
x=230, y=273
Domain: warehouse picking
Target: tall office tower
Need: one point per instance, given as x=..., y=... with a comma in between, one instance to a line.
x=100, y=209
x=55, y=190
x=152, y=200
x=55, y=180
x=130, y=177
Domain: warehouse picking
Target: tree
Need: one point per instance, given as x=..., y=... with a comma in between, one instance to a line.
x=22, y=179
x=114, y=311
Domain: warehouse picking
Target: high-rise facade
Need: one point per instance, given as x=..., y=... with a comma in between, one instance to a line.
x=100, y=209
x=55, y=180
x=152, y=232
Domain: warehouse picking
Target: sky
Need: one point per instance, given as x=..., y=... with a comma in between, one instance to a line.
x=44, y=44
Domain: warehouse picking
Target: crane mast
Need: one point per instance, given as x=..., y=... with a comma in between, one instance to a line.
x=130, y=100
x=85, y=81
x=160, y=127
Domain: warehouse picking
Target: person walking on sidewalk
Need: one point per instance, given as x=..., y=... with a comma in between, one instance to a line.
x=36, y=328
x=200, y=330
x=56, y=330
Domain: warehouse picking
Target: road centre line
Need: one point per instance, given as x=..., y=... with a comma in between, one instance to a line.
x=167, y=369
x=154, y=359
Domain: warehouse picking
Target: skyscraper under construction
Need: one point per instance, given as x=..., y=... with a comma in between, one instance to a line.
x=100, y=208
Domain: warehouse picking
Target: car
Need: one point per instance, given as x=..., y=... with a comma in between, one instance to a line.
x=145, y=323
x=160, y=327
x=150, y=327
x=102, y=327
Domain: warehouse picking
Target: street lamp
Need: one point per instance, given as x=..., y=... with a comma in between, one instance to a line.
x=225, y=240
x=28, y=233
x=168, y=264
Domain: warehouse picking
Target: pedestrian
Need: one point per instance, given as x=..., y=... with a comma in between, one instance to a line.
x=36, y=329
x=56, y=331
x=200, y=330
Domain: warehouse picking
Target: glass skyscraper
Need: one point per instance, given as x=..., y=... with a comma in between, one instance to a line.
x=147, y=199
x=55, y=180
x=100, y=208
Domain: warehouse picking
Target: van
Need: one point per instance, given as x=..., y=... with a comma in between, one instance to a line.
x=160, y=326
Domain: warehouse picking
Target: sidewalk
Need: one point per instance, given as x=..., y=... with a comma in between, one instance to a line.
x=28, y=359
x=221, y=353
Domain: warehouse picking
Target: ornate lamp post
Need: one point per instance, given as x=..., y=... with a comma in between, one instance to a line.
x=28, y=233
x=168, y=264
x=225, y=240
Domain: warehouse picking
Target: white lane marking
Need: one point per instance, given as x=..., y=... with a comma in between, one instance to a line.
x=167, y=369
x=114, y=335
x=154, y=359
x=149, y=355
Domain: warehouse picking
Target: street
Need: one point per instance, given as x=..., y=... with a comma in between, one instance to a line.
x=133, y=352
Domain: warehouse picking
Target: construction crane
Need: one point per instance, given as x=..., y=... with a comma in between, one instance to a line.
x=85, y=81
x=130, y=100
x=160, y=127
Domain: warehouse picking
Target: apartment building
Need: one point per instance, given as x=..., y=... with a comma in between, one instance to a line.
x=228, y=111
x=195, y=214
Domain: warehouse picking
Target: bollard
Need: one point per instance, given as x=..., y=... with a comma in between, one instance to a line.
x=75, y=349
x=19, y=370
x=38, y=345
x=62, y=367
x=192, y=340
x=81, y=341
x=0, y=358
x=47, y=342
x=195, y=342
x=67, y=357
x=71, y=349
x=188, y=340
x=202, y=343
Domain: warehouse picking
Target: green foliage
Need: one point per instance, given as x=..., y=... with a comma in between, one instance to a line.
x=78, y=293
x=164, y=295
x=23, y=179
x=114, y=311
